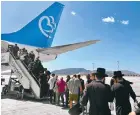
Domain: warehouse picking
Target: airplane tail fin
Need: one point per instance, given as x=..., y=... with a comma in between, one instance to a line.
x=41, y=30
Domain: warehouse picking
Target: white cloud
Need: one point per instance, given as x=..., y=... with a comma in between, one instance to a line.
x=125, y=22
x=73, y=13
x=109, y=20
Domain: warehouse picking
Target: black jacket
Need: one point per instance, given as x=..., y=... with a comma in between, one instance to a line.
x=98, y=94
x=121, y=92
x=82, y=84
x=44, y=85
x=127, y=81
x=89, y=81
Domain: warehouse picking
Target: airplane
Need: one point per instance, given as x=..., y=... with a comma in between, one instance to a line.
x=38, y=35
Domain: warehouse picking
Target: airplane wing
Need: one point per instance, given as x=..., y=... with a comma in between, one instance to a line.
x=65, y=48
x=52, y=52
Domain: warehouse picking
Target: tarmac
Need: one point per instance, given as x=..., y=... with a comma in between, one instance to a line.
x=11, y=106
x=29, y=106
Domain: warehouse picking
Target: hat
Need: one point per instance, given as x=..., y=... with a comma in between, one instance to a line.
x=114, y=74
x=101, y=72
x=118, y=74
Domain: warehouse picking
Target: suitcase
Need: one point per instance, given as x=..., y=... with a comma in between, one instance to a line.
x=76, y=109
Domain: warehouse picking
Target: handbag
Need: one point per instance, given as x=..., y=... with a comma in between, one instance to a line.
x=76, y=109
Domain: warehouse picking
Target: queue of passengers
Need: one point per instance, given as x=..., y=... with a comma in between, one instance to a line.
x=34, y=66
x=94, y=90
x=60, y=88
x=99, y=94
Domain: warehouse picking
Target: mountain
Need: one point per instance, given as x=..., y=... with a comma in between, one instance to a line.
x=125, y=72
x=71, y=71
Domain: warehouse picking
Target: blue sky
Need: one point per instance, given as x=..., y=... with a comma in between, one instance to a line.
x=116, y=24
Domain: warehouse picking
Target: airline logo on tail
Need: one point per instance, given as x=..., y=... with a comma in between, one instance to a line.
x=40, y=31
x=47, y=28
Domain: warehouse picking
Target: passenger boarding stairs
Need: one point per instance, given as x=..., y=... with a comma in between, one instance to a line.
x=27, y=80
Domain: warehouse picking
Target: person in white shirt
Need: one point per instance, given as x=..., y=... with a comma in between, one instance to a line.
x=51, y=82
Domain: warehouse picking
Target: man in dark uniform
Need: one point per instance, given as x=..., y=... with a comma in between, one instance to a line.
x=121, y=92
x=98, y=94
x=40, y=66
x=26, y=59
x=15, y=50
x=47, y=73
x=31, y=66
x=32, y=55
x=43, y=82
x=37, y=67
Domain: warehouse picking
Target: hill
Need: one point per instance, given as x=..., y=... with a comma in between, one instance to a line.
x=71, y=71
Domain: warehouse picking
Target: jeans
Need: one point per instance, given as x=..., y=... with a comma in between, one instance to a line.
x=52, y=94
x=67, y=97
x=58, y=97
